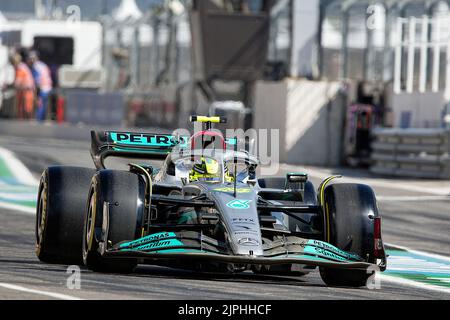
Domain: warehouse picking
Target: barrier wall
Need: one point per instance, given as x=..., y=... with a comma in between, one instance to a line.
x=418, y=110
x=93, y=108
x=310, y=116
x=419, y=153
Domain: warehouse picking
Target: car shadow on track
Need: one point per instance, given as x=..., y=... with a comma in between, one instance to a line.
x=245, y=277
x=143, y=272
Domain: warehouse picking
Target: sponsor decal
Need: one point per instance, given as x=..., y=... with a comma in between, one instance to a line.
x=248, y=242
x=243, y=221
x=247, y=231
x=232, y=141
x=238, y=190
x=242, y=227
x=150, y=140
x=333, y=249
x=160, y=244
x=324, y=253
x=239, y=204
x=147, y=239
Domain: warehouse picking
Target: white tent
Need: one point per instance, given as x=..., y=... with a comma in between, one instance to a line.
x=127, y=10
x=3, y=20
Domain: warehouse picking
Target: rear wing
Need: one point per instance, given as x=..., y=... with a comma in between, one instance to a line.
x=150, y=146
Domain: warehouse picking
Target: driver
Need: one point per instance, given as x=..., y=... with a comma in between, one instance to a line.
x=207, y=169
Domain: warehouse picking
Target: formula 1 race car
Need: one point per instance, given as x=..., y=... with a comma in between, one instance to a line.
x=198, y=211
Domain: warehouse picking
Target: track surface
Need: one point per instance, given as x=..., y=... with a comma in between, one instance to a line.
x=421, y=225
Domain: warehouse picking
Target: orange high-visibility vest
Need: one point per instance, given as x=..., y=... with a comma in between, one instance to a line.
x=24, y=78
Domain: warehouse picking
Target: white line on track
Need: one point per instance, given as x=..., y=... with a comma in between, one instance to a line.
x=18, y=208
x=416, y=284
x=412, y=198
x=426, y=254
x=39, y=292
x=420, y=285
x=18, y=169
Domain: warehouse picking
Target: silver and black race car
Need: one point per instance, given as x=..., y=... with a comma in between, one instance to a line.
x=204, y=209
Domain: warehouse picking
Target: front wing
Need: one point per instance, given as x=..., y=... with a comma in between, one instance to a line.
x=195, y=246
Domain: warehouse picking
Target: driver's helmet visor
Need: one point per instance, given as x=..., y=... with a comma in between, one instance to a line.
x=202, y=168
x=207, y=170
x=212, y=166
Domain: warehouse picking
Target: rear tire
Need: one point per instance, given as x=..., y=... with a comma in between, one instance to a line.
x=122, y=190
x=60, y=214
x=351, y=211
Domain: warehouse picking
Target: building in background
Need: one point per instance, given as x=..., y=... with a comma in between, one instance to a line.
x=389, y=58
x=324, y=57
x=396, y=49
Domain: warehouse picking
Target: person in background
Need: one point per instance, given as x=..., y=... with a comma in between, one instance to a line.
x=24, y=86
x=43, y=81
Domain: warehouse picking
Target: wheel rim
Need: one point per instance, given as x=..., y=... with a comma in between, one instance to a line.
x=90, y=225
x=41, y=217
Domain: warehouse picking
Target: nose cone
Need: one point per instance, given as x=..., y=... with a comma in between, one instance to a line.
x=240, y=216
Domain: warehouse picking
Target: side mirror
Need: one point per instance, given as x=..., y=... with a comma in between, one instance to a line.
x=138, y=168
x=149, y=169
x=296, y=182
x=297, y=177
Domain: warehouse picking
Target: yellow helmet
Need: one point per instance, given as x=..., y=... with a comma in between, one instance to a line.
x=208, y=170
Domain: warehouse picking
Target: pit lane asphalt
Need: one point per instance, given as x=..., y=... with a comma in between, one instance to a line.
x=418, y=225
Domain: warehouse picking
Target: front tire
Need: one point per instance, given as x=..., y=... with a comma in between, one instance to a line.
x=122, y=192
x=60, y=214
x=351, y=209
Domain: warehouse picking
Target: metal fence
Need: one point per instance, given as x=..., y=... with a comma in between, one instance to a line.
x=419, y=153
x=422, y=54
